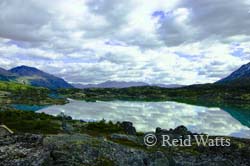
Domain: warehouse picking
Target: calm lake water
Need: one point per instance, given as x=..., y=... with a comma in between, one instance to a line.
x=146, y=116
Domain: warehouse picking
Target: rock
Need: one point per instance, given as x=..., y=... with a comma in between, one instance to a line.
x=158, y=130
x=160, y=162
x=158, y=154
x=159, y=159
x=178, y=132
x=124, y=137
x=25, y=149
x=128, y=128
x=29, y=139
x=6, y=140
x=82, y=149
x=5, y=131
x=181, y=130
x=57, y=154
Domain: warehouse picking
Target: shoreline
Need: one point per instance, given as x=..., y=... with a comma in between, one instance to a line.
x=90, y=148
x=56, y=110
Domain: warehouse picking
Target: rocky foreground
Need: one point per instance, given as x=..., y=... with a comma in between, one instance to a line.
x=116, y=149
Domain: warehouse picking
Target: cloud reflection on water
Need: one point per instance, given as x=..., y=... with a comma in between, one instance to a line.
x=146, y=116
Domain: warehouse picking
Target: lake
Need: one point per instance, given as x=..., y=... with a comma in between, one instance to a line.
x=146, y=116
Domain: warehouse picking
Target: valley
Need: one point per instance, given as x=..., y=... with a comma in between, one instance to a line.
x=25, y=90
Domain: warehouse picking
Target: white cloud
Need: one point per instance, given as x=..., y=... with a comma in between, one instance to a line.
x=93, y=41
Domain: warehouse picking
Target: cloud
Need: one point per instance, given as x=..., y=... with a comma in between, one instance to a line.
x=193, y=21
x=85, y=41
x=23, y=21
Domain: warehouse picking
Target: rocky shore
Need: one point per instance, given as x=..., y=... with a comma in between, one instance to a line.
x=23, y=149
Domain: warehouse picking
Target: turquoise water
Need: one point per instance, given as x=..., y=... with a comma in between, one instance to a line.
x=24, y=107
x=55, y=96
x=146, y=116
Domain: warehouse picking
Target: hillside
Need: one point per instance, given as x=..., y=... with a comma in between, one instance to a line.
x=32, y=76
x=15, y=93
x=240, y=77
x=6, y=75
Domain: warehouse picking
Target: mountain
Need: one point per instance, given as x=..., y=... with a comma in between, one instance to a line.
x=35, y=77
x=4, y=72
x=239, y=77
x=123, y=84
x=5, y=75
x=111, y=84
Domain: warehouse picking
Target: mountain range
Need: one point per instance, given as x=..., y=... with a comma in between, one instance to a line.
x=123, y=84
x=110, y=84
x=35, y=77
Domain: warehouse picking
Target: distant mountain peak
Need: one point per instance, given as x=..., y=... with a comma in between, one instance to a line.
x=5, y=72
x=240, y=76
x=25, y=67
x=27, y=71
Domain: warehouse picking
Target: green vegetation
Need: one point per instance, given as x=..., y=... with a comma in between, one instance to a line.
x=194, y=94
x=14, y=93
x=103, y=127
x=31, y=122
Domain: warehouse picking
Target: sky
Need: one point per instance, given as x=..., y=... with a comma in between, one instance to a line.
x=158, y=42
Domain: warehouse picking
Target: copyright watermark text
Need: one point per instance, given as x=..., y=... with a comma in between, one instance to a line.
x=200, y=140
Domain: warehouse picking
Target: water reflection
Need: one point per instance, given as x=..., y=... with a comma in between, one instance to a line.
x=146, y=116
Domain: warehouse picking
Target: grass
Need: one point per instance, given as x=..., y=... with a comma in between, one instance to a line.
x=31, y=122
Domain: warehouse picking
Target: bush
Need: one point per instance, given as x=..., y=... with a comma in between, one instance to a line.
x=27, y=121
x=104, y=127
